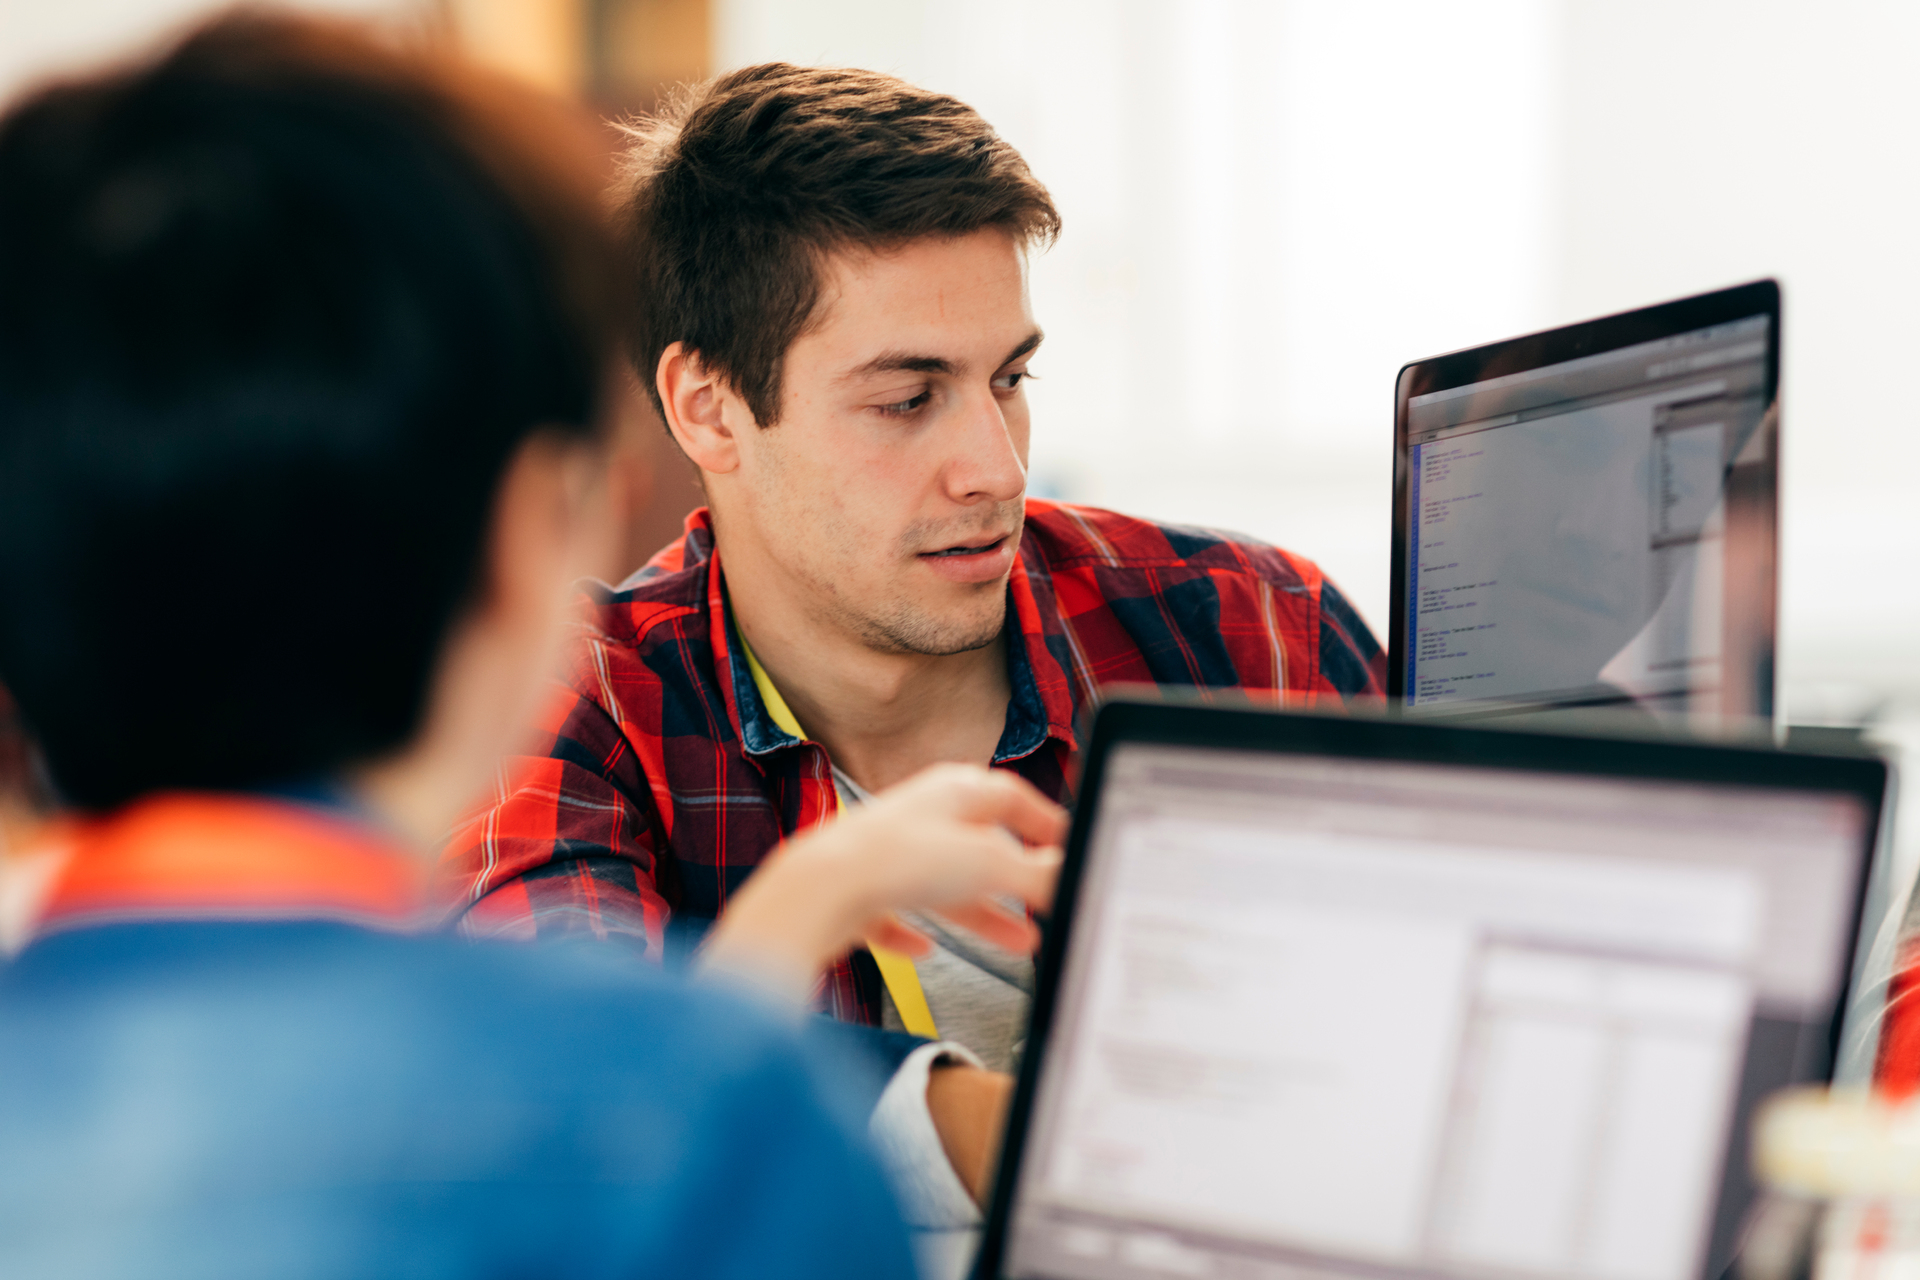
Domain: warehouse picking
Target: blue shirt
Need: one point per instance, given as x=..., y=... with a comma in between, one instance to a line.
x=314, y=1099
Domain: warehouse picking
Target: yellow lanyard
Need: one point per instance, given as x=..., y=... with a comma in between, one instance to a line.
x=896, y=970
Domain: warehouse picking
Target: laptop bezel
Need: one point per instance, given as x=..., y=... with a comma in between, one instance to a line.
x=1556, y=346
x=1666, y=756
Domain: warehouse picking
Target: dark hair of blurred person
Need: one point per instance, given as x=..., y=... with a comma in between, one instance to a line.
x=253, y=296
x=303, y=340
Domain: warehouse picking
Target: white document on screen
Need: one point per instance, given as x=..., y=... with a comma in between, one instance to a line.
x=1191, y=1084
x=1568, y=551
x=1588, y=1127
x=1404, y=1051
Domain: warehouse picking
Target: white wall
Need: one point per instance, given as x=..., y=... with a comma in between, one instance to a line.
x=43, y=37
x=1715, y=141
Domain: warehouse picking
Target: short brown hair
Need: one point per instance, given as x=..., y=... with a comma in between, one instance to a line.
x=736, y=192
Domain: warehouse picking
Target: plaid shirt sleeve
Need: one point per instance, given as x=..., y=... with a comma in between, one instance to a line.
x=1352, y=664
x=570, y=843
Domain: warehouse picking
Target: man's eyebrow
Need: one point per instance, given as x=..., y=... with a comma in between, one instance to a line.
x=901, y=362
x=909, y=362
x=1026, y=347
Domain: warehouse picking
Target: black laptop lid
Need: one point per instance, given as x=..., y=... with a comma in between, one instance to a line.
x=1343, y=997
x=1587, y=516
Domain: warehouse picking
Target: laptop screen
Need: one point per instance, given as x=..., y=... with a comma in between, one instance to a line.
x=1342, y=1017
x=1598, y=529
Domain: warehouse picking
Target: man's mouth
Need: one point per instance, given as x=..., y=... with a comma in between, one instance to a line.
x=979, y=549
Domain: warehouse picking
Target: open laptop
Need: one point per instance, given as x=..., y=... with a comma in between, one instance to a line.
x=1588, y=516
x=1347, y=997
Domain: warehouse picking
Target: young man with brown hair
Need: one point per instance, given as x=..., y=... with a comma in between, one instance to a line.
x=835, y=326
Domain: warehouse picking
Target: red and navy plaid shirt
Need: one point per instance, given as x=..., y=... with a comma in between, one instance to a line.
x=663, y=782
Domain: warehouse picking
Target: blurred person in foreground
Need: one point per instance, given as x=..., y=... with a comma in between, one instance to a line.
x=834, y=320
x=305, y=345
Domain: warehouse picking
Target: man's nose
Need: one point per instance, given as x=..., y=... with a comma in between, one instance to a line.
x=986, y=462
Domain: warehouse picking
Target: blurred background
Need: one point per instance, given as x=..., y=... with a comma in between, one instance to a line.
x=1270, y=206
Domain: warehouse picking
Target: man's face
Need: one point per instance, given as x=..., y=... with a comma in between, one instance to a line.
x=891, y=489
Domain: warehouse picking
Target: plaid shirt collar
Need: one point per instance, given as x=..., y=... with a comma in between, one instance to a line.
x=1040, y=709
x=211, y=856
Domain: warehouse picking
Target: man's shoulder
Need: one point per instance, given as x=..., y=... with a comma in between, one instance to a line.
x=493, y=1027
x=1069, y=536
x=566, y=1083
x=1176, y=604
x=456, y=995
x=670, y=588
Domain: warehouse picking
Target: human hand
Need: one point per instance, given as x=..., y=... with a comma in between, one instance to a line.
x=951, y=840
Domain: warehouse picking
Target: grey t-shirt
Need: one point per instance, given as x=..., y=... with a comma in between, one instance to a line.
x=978, y=993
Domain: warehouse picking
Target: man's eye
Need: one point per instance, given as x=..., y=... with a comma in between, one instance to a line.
x=1008, y=381
x=902, y=408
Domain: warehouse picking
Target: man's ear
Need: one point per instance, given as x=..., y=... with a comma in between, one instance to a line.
x=702, y=411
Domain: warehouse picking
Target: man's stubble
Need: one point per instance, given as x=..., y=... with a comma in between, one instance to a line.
x=903, y=625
